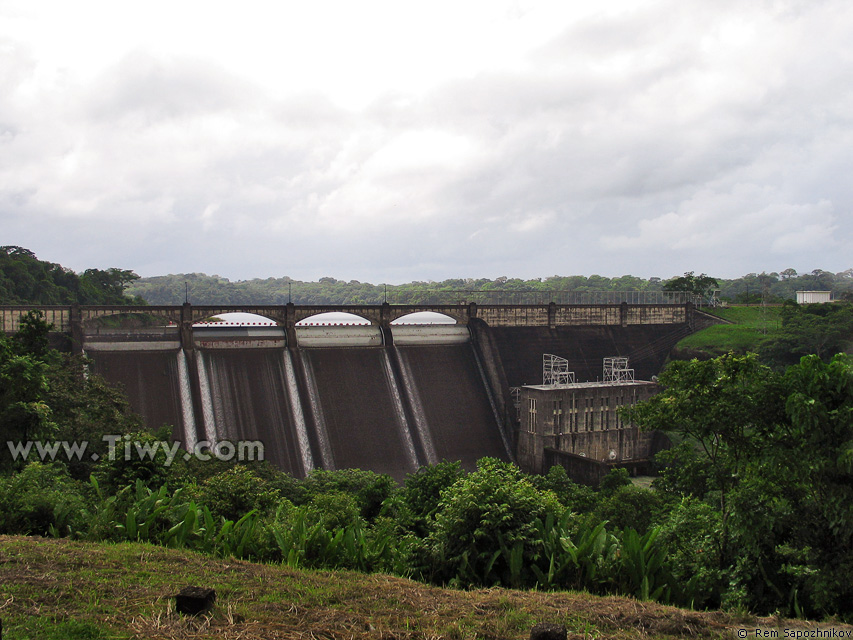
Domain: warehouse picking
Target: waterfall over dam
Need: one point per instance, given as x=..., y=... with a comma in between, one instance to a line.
x=388, y=400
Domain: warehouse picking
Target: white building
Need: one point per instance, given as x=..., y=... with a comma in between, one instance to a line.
x=811, y=297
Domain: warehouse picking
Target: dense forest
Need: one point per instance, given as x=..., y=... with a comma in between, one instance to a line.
x=203, y=289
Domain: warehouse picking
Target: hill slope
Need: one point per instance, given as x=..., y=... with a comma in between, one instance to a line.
x=745, y=328
x=52, y=589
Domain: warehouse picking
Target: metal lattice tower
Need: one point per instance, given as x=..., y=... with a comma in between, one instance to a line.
x=555, y=370
x=616, y=370
x=515, y=392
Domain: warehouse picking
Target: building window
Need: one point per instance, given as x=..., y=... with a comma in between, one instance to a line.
x=531, y=415
x=555, y=425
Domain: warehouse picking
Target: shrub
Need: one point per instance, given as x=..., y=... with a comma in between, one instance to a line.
x=692, y=532
x=613, y=480
x=335, y=510
x=422, y=491
x=41, y=499
x=575, y=497
x=629, y=506
x=130, y=462
x=233, y=493
x=369, y=489
x=484, y=531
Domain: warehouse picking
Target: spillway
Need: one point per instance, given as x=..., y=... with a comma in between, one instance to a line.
x=447, y=386
x=361, y=410
x=150, y=378
x=249, y=400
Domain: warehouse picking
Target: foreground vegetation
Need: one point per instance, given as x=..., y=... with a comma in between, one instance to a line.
x=64, y=590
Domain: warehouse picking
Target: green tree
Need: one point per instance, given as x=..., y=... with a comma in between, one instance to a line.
x=779, y=450
x=820, y=329
x=630, y=507
x=369, y=489
x=575, y=497
x=235, y=492
x=816, y=449
x=24, y=412
x=106, y=286
x=700, y=285
x=41, y=499
x=722, y=406
x=24, y=279
x=482, y=519
x=422, y=491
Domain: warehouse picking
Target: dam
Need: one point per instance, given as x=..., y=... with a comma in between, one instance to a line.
x=383, y=396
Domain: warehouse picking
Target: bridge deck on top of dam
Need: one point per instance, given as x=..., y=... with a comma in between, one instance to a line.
x=68, y=318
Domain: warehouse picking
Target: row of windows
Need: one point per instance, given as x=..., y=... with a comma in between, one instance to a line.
x=572, y=418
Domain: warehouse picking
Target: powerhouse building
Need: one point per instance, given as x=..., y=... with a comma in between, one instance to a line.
x=579, y=426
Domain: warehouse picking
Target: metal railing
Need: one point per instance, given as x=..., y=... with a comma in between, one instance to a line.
x=539, y=297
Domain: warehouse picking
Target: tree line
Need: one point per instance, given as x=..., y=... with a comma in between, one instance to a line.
x=204, y=289
x=24, y=279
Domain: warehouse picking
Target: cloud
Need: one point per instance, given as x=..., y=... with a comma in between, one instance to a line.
x=490, y=139
x=746, y=216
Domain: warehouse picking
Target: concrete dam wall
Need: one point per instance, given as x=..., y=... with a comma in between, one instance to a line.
x=385, y=398
x=388, y=400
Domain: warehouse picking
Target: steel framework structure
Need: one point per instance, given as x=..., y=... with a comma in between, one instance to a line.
x=555, y=370
x=616, y=370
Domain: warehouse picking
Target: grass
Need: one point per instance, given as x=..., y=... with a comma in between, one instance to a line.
x=74, y=590
x=750, y=325
x=750, y=316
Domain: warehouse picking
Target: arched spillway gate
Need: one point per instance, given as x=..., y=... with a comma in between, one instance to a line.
x=390, y=399
x=380, y=396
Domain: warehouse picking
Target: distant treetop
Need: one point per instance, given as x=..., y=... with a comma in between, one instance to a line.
x=24, y=279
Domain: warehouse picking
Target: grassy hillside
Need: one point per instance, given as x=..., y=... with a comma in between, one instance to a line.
x=63, y=590
x=749, y=325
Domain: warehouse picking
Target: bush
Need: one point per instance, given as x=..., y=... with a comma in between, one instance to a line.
x=629, y=506
x=692, y=532
x=130, y=462
x=575, y=497
x=422, y=491
x=233, y=493
x=41, y=499
x=335, y=510
x=484, y=532
x=614, y=480
x=369, y=489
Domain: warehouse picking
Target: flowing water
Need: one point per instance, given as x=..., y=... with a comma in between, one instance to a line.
x=390, y=409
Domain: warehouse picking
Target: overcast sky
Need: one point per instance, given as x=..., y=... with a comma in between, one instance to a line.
x=397, y=141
